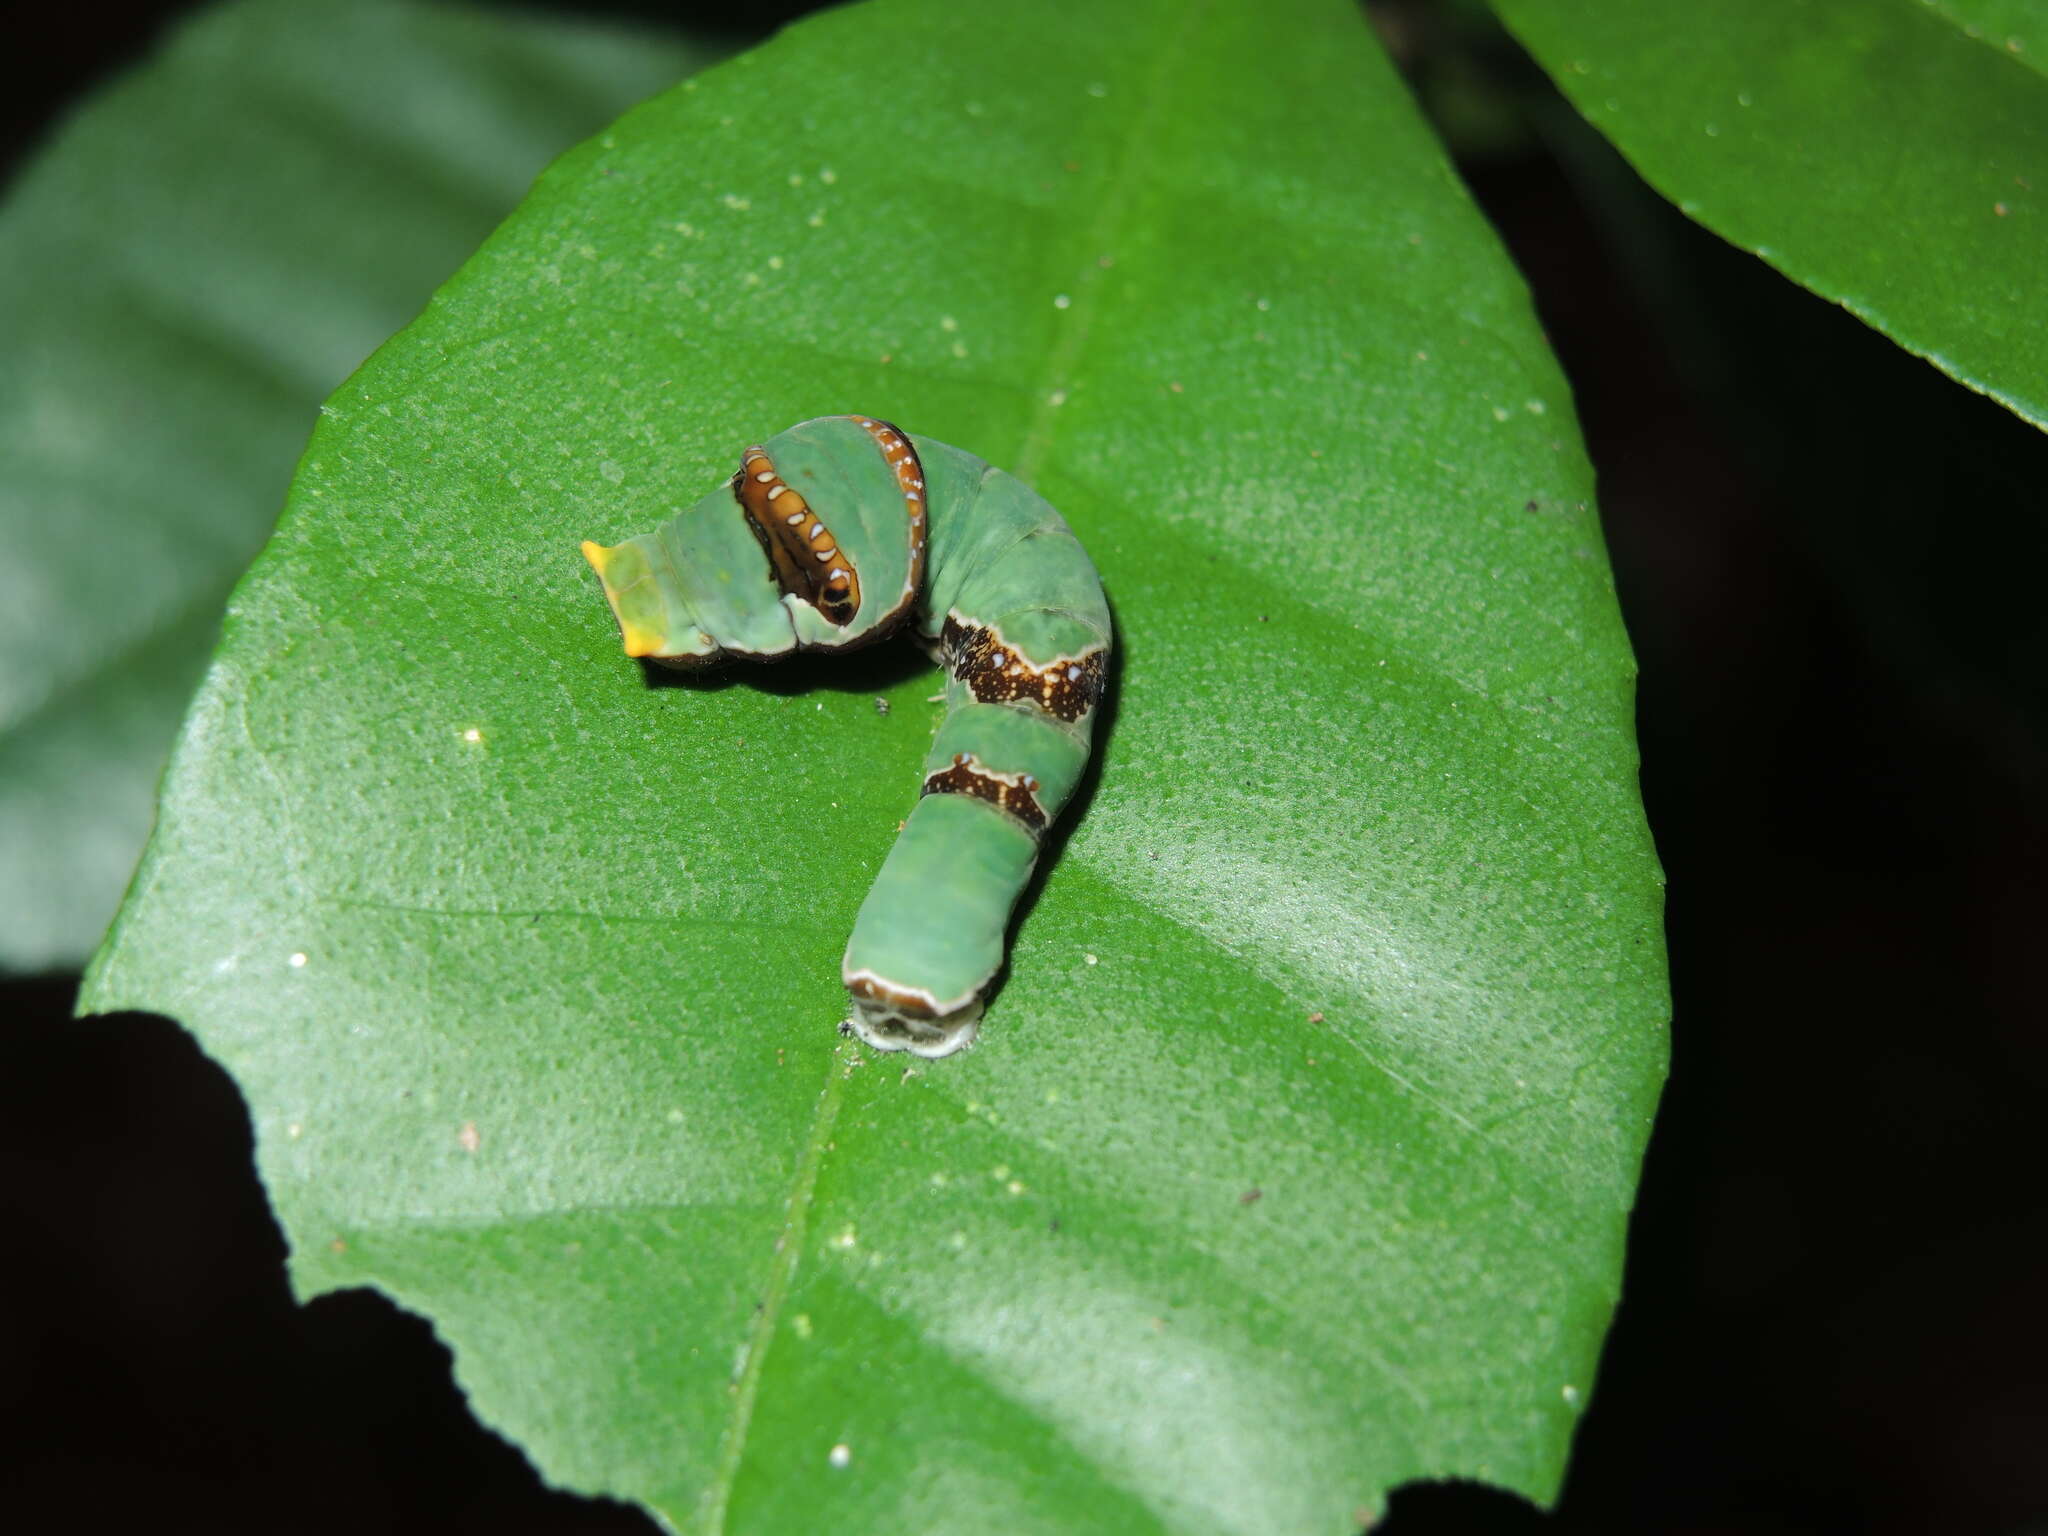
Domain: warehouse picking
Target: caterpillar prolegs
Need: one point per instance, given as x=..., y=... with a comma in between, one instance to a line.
x=832, y=535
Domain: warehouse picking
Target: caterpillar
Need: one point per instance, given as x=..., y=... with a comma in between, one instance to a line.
x=831, y=536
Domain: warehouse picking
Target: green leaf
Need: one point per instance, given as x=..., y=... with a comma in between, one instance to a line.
x=202, y=253
x=1297, y=1154
x=1892, y=157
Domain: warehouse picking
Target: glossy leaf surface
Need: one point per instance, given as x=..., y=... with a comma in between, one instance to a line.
x=199, y=256
x=1296, y=1156
x=1891, y=156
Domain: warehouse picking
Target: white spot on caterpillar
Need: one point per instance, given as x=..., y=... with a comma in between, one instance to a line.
x=836, y=572
x=826, y=554
x=840, y=1455
x=1073, y=674
x=818, y=533
x=763, y=475
x=794, y=518
x=773, y=490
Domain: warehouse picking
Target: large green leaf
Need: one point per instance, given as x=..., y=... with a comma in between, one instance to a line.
x=1297, y=1153
x=1891, y=155
x=198, y=258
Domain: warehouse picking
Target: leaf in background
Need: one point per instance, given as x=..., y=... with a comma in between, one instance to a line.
x=2020, y=27
x=1879, y=154
x=1296, y=1157
x=200, y=255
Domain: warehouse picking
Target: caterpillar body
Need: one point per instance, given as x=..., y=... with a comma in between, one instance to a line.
x=832, y=535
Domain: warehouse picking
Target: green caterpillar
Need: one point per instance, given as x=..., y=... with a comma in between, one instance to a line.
x=831, y=535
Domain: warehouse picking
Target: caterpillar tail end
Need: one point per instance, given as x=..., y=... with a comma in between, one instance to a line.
x=630, y=589
x=888, y=1027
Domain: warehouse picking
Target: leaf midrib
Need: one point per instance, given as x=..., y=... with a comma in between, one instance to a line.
x=1114, y=210
x=1037, y=440
x=789, y=1247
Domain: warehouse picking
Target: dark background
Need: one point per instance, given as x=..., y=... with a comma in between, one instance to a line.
x=1830, y=558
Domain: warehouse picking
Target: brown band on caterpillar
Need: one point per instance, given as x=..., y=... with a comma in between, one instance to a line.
x=807, y=560
x=1065, y=688
x=1015, y=793
x=871, y=988
x=904, y=463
